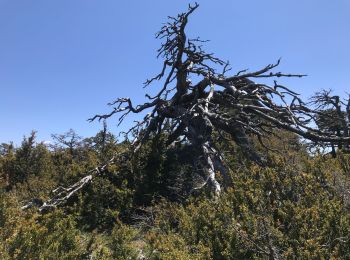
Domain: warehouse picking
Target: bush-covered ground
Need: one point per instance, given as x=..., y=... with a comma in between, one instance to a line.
x=144, y=206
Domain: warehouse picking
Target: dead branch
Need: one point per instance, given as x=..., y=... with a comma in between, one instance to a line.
x=61, y=195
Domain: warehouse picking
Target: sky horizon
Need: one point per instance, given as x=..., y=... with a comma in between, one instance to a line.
x=61, y=62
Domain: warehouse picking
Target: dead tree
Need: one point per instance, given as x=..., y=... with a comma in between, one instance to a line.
x=198, y=95
x=333, y=117
x=217, y=101
x=70, y=140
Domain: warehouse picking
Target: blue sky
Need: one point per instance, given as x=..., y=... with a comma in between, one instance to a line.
x=61, y=61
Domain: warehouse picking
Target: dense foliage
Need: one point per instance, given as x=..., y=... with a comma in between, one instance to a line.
x=145, y=205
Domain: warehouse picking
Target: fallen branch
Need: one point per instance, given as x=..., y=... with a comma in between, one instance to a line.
x=61, y=195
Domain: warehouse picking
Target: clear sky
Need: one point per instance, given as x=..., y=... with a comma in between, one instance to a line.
x=61, y=61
